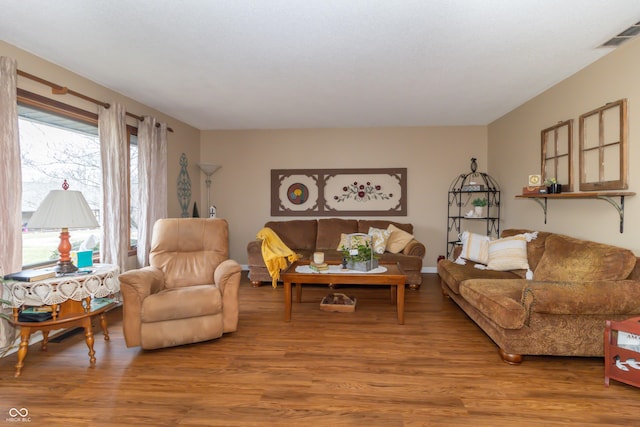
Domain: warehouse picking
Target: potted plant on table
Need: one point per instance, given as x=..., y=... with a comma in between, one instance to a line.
x=358, y=254
x=479, y=205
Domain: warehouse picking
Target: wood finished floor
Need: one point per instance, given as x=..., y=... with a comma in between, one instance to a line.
x=322, y=369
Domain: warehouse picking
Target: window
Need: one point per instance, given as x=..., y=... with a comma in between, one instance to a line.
x=556, y=154
x=59, y=142
x=134, y=207
x=603, y=148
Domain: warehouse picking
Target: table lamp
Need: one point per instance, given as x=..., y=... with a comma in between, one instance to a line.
x=64, y=209
x=208, y=170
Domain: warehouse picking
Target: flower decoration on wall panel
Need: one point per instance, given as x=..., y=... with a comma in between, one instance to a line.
x=339, y=192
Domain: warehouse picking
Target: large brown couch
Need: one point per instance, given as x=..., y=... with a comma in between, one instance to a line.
x=307, y=236
x=577, y=285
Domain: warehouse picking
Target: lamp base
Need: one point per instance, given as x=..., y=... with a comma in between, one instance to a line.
x=65, y=267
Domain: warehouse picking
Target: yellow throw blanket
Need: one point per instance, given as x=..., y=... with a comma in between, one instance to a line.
x=275, y=253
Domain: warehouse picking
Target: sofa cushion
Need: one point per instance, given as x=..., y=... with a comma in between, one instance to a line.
x=330, y=230
x=398, y=239
x=296, y=234
x=500, y=301
x=585, y=298
x=568, y=259
x=453, y=274
x=509, y=253
x=365, y=224
x=408, y=263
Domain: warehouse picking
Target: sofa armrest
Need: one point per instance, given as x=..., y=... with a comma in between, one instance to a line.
x=227, y=279
x=135, y=286
x=415, y=248
x=254, y=253
x=611, y=297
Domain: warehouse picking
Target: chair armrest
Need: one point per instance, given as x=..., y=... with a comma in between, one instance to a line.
x=227, y=274
x=227, y=278
x=596, y=297
x=135, y=286
x=415, y=248
x=144, y=281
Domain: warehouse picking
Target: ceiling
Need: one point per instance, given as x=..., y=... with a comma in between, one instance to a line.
x=266, y=64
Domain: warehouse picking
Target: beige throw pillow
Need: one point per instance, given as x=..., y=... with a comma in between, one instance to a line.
x=475, y=247
x=398, y=239
x=509, y=253
x=355, y=241
x=380, y=238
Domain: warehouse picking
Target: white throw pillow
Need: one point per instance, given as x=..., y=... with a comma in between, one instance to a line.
x=509, y=253
x=380, y=238
x=475, y=247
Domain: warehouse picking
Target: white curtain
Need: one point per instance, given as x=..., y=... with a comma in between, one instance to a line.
x=152, y=182
x=11, y=179
x=114, y=242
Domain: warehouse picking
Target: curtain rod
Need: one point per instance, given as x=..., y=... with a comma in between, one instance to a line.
x=62, y=90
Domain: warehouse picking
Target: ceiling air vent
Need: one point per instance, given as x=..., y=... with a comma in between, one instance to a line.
x=627, y=34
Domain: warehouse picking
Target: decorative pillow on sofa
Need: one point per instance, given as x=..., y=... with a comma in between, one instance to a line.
x=355, y=241
x=398, y=239
x=380, y=238
x=475, y=247
x=509, y=253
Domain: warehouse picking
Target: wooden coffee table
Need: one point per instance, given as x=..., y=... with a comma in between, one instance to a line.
x=393, y=277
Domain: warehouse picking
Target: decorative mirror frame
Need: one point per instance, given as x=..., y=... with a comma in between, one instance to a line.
x=604, y=122
x=550, y=139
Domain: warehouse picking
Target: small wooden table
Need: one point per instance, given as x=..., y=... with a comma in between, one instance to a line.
x=71, y=314
x=72, y=301
x=393, y=277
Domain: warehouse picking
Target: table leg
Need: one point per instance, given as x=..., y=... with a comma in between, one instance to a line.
x=393, y=290
x=45, y=340
x=88, y=337
x=103, y=323
x=400, y=303
x=298, y=292
x=287, y=301
x=25, y=333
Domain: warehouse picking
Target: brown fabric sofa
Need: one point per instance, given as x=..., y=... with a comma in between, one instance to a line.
x=577, y=285
x=307, y=236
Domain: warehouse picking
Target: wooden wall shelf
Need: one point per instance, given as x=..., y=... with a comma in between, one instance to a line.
x=608, y=196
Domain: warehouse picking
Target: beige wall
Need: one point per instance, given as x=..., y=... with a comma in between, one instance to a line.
x=433, y=156
x=514, y=150
x=184, y=138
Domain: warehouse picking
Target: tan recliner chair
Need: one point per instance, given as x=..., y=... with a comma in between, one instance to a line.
x=189, y=293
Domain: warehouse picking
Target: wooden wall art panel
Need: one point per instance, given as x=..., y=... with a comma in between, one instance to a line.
x=339, y=192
